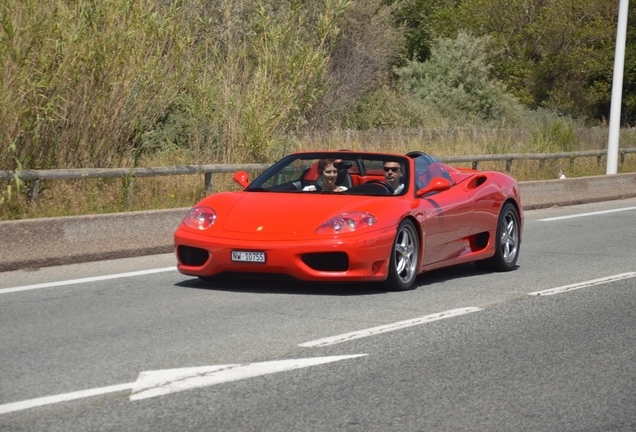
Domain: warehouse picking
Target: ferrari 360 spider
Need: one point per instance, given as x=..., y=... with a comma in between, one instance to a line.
x=354, y=216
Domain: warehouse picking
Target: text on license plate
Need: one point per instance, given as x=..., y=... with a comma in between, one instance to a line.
x=245, y=256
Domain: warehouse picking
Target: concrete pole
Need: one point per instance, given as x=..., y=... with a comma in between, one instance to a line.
x=617, y=90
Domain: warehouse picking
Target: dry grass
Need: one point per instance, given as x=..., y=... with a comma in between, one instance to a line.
x=462, y=141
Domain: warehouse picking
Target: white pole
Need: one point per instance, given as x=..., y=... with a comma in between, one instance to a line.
x=617, y=90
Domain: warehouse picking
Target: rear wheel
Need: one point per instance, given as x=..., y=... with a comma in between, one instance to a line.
x=507, y=241
x=404, y=258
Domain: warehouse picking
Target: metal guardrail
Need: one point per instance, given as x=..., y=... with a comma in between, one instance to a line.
x=34, y=177
x=542, y=157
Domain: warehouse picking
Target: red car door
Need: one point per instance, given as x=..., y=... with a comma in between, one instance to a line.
x=448, y=221
x=488, y=198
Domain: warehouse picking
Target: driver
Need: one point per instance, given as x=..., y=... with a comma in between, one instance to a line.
x=392, y=175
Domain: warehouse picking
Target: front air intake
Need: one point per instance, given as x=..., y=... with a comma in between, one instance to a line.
x=327, y=261
x=192, y=256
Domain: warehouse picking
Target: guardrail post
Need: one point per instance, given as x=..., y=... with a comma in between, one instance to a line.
x=209, y=183
x=475, y=164
x=34, y=191
x=572, y=161
x=129, y=182
x=508, y=165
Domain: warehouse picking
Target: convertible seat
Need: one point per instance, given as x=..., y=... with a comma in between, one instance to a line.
x=344, y=178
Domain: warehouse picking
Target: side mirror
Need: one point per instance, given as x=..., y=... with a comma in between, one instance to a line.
x=242, y=178
x=438, y=184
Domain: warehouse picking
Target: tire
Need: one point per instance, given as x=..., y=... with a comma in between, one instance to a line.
x=404, y=260
x=506, y=242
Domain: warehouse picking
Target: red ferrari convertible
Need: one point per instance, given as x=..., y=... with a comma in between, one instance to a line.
x=354, y=216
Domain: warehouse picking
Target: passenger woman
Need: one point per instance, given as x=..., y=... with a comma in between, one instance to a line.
x=328, y=174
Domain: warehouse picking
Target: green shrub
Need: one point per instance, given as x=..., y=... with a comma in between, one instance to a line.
x=456, y=80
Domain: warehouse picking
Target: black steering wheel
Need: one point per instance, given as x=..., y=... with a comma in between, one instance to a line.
x=382, y=183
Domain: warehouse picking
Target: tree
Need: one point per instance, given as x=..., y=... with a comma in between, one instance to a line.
x=366, y=46
x=417, y=18
x=550, y=53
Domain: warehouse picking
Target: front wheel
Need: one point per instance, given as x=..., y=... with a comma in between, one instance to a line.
x=507, y=241
x=404, y=258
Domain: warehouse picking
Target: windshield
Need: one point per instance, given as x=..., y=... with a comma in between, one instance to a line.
x=347, y=173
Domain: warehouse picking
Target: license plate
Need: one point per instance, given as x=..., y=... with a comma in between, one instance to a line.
x=245, y=256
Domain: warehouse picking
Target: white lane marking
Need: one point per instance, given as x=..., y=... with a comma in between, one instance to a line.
x=86, y=280
x=162, y=382
x=32, y=403
x=158, y=383
x=585, y=214
x=387, y=328
x=585, y=284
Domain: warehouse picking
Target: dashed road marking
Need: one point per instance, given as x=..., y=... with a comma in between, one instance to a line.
x=387, y=328
x=86, y=280
x=585, y=214
x=585, y=284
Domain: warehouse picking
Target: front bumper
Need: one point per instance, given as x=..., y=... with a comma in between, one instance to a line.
x=367, y=256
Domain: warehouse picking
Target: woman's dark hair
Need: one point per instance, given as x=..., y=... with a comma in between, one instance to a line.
x=322, y=164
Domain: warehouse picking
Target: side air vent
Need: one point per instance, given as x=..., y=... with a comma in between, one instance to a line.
x=479, y=241
x=192, y=256
x=476, y=182
x=327, y=261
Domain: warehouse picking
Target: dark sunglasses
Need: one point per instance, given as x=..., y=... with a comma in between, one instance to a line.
x=394, y=169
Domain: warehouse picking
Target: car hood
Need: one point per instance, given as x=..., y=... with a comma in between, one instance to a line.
x=282, y=213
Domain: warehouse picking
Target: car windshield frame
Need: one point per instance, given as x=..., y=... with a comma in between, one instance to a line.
x=297, y=172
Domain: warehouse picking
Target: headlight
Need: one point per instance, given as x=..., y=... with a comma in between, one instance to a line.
x=347, y=222
x=200, y=218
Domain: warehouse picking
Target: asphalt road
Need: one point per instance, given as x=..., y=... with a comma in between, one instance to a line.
x=466, y=350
